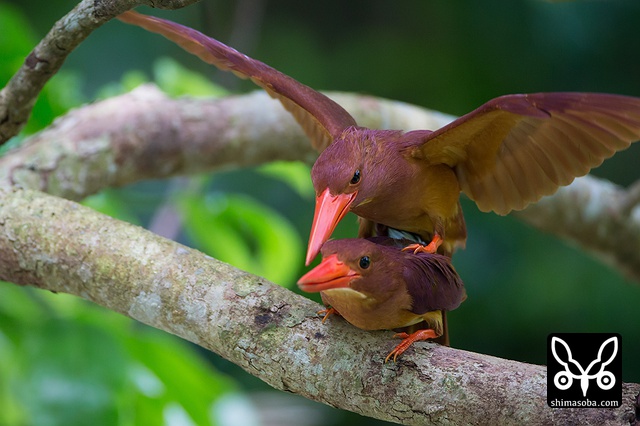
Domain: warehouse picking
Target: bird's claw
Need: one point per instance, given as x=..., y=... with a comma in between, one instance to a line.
x=417, y=248
x=327, y=313
x=430, y=248
x=408, y=340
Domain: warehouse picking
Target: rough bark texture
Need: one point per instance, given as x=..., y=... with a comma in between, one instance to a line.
x=271, y=332
x=19, y=95
x=598, y=216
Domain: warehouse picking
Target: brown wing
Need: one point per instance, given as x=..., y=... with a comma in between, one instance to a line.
x=517, y=148
x=321, y=118
x=432, y=283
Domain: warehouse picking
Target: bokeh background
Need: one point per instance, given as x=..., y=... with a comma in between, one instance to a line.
x=65, y=361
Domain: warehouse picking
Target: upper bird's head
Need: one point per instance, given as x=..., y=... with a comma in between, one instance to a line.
x=343, y=177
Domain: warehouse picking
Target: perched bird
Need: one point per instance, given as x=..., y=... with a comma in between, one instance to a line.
x=375, y=285
x=508, y=153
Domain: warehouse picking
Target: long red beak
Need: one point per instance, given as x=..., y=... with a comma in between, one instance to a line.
x=330, y=209
x=330, y=273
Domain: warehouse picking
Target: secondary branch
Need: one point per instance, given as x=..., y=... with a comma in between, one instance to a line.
x=145, y=135
x=19, y=95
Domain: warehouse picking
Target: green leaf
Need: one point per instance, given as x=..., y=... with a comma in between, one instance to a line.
x=129, y=81
x=74, y=363
x=18, y=304
x=245, y=233
x=16, y=40
x=175, y=378
x=71, y=372
x=111, y=204
x=296, y=174
x=177, y=80
x=11, y=412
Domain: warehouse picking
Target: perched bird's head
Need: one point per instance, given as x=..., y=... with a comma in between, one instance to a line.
x=350, y=264
x=376, y=270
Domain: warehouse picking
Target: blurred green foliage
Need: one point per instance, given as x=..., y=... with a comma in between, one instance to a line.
x=17, y=38
x=237, y=229
x=450, y=55
x=65, y=361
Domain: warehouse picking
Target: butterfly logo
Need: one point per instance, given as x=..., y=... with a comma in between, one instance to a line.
x=564, y=379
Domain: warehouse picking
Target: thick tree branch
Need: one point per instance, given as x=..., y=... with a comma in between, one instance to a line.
x=144, y=135
x=19, y=95
x=600, y=217
x=271, y=332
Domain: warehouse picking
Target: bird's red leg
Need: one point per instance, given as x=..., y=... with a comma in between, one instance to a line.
x=327, y=313
x=432, y=247
x=409, y=339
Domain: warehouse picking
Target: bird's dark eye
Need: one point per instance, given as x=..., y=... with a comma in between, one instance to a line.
x=356, y=178
x=365, y=262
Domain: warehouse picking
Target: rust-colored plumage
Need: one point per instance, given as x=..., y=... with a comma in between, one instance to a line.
x=375, y=285
x=506, y=154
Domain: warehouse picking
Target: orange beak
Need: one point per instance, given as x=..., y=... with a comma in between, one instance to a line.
x=329, y=274
x=330, y=209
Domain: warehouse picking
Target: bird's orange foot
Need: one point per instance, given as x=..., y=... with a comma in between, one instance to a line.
x=432, y=247
x=409, y=339
x=327, y=313
x=416, y=248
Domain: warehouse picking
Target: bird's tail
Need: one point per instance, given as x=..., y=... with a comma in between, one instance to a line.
x=444, y=338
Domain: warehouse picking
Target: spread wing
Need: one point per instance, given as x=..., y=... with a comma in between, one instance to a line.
x=515, y=149
x=321, y=118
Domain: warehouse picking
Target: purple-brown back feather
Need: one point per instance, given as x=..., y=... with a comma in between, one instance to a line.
x=432, y=283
